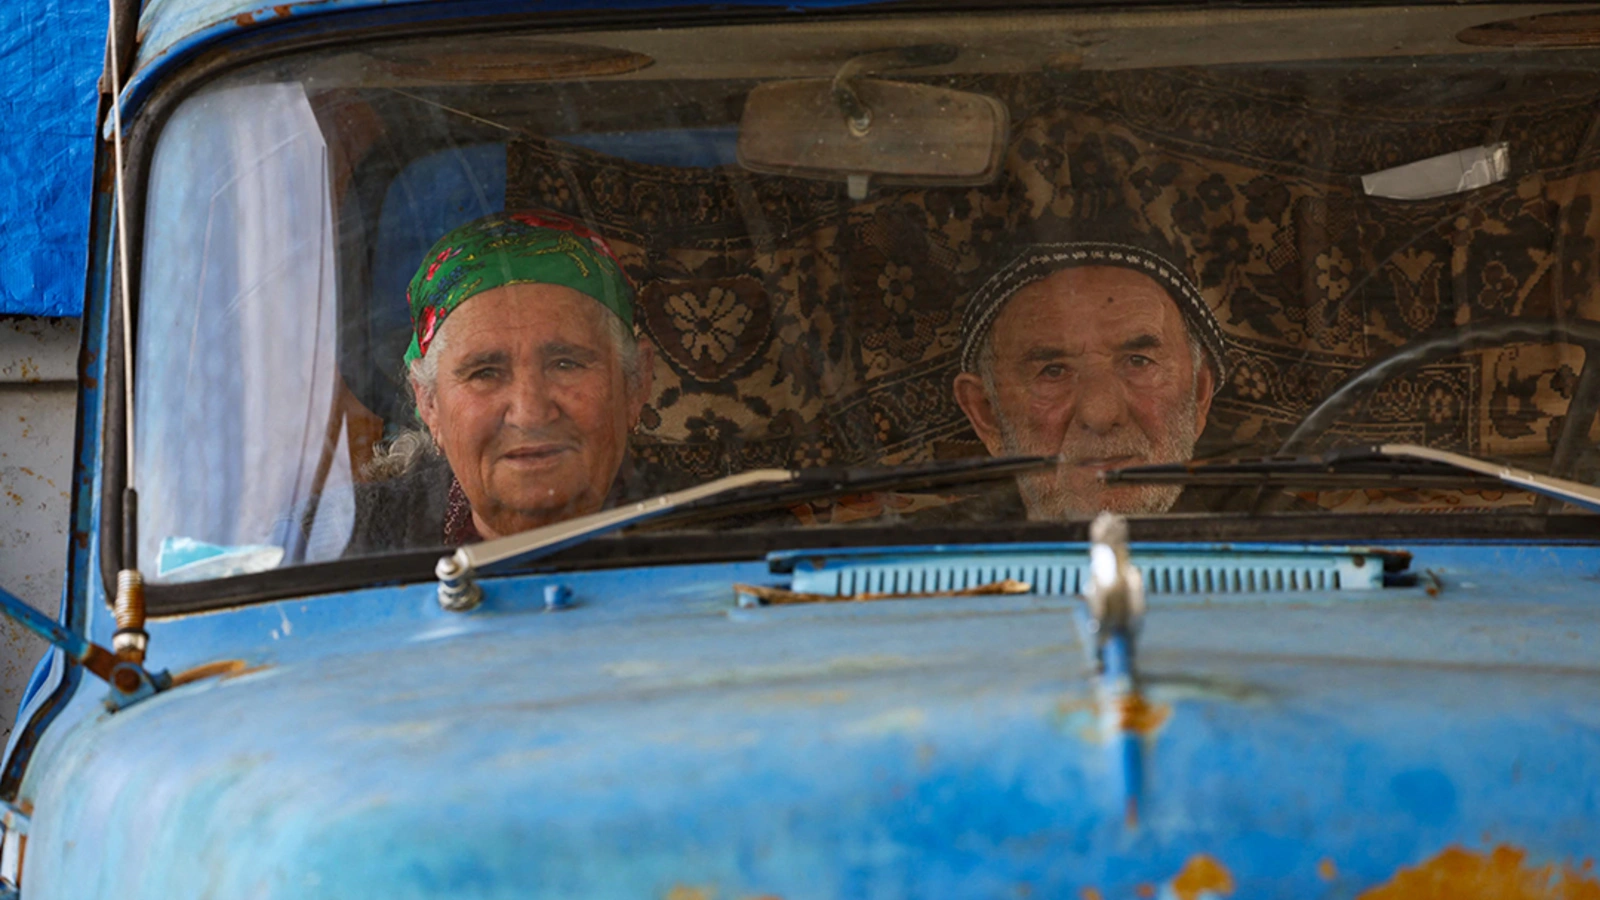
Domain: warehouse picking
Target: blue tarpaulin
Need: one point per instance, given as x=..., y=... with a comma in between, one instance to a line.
x=50, y=56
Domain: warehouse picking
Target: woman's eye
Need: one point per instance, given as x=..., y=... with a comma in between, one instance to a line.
x=482, y=374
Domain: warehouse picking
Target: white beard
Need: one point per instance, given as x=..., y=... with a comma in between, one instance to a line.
x=1048, y=496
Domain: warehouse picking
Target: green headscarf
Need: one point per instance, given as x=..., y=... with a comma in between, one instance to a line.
x=512, y=248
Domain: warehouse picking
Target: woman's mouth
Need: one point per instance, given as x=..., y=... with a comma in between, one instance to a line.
x=535, y=456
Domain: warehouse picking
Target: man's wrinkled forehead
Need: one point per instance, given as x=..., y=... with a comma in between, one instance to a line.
x=1072, y=311
x=1049, y=348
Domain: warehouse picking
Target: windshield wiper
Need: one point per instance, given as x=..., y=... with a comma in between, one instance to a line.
x=744, y=492
x=1384, y=465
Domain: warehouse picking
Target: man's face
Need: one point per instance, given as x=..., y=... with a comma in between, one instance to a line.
x=531, y=405
x=1094, y=364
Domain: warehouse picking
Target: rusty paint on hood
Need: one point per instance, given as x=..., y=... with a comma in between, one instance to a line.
x=1502, y=874
x=1201, y=876
x=1139, y=716
x=226, y=668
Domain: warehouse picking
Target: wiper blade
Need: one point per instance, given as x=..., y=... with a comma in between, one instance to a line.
x=744, y=492
x=834, y=481
x=1384, y=465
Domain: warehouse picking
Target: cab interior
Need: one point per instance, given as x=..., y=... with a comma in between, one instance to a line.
x=798, y=326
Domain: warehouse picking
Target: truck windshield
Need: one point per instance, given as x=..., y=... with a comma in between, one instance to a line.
x=423, y=292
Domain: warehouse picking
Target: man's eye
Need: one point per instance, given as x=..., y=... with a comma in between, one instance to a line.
x=1053, y=370
x=1139, y=361
x=566, y=364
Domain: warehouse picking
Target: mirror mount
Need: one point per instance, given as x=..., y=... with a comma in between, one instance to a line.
x=862, y=130
x=858, y=115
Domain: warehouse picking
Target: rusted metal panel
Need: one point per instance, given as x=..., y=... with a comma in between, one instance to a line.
x=38, y=398
x=36, y=350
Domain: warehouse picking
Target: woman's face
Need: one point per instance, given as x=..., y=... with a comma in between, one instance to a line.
x=532, y=406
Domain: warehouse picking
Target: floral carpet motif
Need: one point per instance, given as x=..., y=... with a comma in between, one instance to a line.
x=797, y=327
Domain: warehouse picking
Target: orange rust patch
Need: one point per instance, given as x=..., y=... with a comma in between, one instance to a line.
x=1201, y=874
x=244, y=20
x=1089, y=893
x=1072, y=706
x=1326, y=870
x=1501, y=874
x=1142, y=717
x=686, y=892
x=225, y=668
x=1145, y=890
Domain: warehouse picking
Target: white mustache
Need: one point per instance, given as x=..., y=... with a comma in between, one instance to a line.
x=1078, y=453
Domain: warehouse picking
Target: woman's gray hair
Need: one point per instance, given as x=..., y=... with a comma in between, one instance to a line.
x=407, y=450
x=414, y=446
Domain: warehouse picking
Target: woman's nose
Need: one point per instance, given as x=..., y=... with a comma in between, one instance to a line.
x=531, y=404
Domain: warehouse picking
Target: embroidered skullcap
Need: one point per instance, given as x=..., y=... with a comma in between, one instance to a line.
x=1041, y=260
x=512, y=248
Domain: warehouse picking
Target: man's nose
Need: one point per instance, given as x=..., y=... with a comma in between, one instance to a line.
x=1102, y=402
x=531, y=404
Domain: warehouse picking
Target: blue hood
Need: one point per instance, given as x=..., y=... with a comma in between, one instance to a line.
x=650, y=741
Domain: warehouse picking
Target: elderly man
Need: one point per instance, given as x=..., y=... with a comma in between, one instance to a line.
x=1103, y=353
x=528, y=378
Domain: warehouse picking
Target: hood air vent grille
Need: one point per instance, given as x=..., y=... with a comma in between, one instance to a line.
x=1066, y=573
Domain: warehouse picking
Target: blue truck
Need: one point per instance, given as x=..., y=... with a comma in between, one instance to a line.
x=913, y=575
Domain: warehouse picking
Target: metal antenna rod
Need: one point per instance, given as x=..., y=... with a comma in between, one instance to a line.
x=130, y=640
x=121, y=226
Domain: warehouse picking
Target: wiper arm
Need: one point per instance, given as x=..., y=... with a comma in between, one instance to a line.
x=744, y=492
x=1385, y=465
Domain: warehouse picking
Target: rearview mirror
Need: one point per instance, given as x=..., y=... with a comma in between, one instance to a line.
x=862, y=130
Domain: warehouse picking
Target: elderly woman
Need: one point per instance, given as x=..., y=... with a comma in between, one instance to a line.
x=528, y=377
